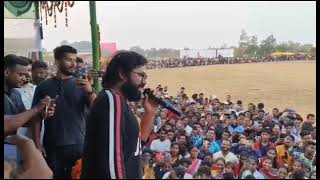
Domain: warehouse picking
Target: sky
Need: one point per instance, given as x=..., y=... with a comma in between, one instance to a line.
x=176, y=24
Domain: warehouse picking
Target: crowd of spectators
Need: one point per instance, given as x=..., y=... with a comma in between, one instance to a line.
x=187, y=61
x=214, y=138
x=228, y=140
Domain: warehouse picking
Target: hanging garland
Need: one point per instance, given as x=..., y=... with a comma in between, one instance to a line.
x=66, y=12
x=51, y=7
x=99, y=40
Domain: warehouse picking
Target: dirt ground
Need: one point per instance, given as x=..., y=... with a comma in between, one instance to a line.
x=276, y=84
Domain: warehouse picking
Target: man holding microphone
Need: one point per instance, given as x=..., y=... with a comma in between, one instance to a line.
x=113, y=136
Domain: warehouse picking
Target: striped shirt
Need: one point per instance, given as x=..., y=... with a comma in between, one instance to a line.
x=112, y=144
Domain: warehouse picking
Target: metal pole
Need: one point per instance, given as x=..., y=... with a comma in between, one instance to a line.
x=36, y=6
x=95, y=41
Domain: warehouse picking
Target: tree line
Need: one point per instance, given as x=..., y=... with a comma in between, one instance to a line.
x=248, y=47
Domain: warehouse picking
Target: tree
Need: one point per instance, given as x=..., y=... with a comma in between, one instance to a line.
x=253, y=47
x=224, y=46
x=283, y=47
x=237, y=52
x=82, y=46
x=243, y=44
x=137, y=49
x=248, y=45
x=244, y=38
x=64, y=42
x=313, y=51
x=293, y=47
x=306, y=48
x=267, y=46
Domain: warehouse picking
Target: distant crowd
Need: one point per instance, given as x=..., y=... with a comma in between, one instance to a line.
x=187, y=61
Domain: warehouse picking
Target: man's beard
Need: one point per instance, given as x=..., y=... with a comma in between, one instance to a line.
x=65, y=71
x=225, y=149
x=37, y=81
x=25, y=82
x=131, y=91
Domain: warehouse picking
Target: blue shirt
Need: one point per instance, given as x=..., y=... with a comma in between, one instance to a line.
x=238, y=129
x=263, y=149
x=250, y=152
x=197, y=141
x=219, y=142
x=214, y=147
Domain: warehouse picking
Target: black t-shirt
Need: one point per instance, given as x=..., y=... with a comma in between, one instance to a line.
x=307, y=126
x=67, y=126
x=112, y=146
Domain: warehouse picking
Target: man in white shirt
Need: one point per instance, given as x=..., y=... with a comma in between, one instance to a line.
x=26, y=91
x=225, y=153
x=38, y=74
x=252, y=170
x=188, y=129
x=162, y=144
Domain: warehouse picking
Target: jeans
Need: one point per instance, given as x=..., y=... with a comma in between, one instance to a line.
x=61, y=159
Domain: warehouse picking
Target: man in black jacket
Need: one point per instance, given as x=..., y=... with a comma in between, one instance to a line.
x=113, y=138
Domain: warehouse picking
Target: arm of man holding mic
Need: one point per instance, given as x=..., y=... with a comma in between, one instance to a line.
x=150, y=106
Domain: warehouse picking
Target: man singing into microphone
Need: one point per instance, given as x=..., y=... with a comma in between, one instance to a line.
x=113, y=138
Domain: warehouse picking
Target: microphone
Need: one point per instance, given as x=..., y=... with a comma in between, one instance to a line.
x=164, y=103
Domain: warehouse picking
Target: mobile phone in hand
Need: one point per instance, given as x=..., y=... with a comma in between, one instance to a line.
x=81, y=73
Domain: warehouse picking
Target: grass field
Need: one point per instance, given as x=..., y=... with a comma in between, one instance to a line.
x=276, y=84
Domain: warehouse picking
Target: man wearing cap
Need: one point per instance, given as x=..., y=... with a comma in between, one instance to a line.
x=291, y=115
x=283, y=151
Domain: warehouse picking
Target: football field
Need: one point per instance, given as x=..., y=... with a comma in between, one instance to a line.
x=276, y=84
